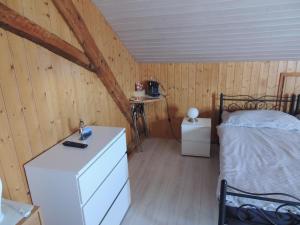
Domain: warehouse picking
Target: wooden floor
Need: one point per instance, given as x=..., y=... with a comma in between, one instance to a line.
x=169, y=189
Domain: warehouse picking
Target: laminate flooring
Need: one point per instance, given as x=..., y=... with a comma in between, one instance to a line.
x=170, y=189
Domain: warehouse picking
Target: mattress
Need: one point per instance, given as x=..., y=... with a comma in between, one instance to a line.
x=260, y=160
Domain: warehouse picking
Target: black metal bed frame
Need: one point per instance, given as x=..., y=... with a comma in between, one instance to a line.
x=289, y=219
x=286, y=104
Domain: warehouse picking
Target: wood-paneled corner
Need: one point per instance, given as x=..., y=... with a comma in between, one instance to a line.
x=288, y=81
x=43, y=96
x=200, y=84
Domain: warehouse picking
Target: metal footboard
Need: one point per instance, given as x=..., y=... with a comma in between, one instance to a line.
x=246, y=213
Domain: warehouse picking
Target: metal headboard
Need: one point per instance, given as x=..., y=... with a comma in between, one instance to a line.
x=297, y=108
x=288, y=104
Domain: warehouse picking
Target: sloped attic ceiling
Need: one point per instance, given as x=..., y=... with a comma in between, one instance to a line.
x=206, y=30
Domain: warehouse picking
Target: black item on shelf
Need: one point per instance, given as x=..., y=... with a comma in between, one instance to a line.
x=153, y=88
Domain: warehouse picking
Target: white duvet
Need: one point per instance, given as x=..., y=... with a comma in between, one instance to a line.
x=260, y=160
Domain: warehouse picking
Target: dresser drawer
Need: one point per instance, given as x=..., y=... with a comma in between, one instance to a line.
x=191, y=133
x=92, y=178
x=118, y=210
x=100, y=202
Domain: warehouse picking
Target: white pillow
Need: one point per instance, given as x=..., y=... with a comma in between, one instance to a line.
x=225, y=115
x=261, y=118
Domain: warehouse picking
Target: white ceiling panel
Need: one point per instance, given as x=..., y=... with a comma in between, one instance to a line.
x=206, y=30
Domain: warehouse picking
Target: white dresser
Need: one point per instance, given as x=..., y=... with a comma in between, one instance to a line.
x=87, y=186
x=196, y=137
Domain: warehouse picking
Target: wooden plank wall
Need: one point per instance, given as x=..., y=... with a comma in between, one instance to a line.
x=200, y=85
x=43, y=96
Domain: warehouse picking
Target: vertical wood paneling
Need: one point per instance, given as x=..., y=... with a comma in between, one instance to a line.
x=23, y=80
x=13, y=106
x=254, y=78
x=201, y=84
x=207, y=69
x=9, y=159
x=43, y=96
x=263, y=78
x=177, y=97
x=5, y=193
x=198, y=84
x=184, y=88
x=222, y=73
x=238, y=77
x=246, y=78
x=273, y=78
x=192, y=84
x=170, y=89
x=230, y=78
x=163, y=110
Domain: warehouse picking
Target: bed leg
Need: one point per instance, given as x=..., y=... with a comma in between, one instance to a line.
x=222, y=206
x=292, y=110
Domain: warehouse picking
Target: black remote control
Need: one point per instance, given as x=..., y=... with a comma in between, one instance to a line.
x=74, y=144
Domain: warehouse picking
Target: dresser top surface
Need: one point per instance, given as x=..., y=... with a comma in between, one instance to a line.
x=69, y=159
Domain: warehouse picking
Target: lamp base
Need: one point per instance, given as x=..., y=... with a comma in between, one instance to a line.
x=193, y=120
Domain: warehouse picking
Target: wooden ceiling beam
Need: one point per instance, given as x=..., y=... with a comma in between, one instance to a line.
x=12, y=21
x=91, y=59
x=103, y=71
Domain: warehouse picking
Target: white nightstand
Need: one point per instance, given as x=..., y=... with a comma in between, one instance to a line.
x=196, y=137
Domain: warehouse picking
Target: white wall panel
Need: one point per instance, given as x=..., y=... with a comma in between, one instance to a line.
x=206, y=30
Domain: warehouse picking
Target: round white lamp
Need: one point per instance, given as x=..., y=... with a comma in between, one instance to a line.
x=1, y=215
x=192, y=114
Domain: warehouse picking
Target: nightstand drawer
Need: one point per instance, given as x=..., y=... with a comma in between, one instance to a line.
x=195, y=148
x=100, y=202
x=193, y=133
x=92, y=178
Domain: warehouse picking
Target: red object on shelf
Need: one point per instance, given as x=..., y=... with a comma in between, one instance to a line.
x=139, y=86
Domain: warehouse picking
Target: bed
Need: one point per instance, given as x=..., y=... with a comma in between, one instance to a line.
x=259, y=180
